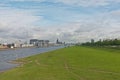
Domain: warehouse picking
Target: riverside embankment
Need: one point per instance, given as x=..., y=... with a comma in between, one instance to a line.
x=71, y=63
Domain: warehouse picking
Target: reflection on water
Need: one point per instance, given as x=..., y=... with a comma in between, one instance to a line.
x=8, y=55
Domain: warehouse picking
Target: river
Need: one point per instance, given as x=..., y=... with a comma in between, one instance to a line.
x=9, y=55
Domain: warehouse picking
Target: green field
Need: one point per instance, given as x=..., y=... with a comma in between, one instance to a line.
x=73, y=63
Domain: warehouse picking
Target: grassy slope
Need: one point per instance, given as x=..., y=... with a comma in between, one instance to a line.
x=74, y=63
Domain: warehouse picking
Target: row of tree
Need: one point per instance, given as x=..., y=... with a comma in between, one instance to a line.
x=107, y=42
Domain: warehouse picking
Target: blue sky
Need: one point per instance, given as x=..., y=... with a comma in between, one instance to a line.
x=68, y=20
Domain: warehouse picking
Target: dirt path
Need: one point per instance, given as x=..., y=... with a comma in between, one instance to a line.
x=68, y=68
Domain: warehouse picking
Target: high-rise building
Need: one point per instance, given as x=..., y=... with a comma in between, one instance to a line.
x=34, y=42
x=58, y=42
x=92, y=41
x=39, y=43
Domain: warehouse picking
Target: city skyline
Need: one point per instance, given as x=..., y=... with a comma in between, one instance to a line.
x=68, y=20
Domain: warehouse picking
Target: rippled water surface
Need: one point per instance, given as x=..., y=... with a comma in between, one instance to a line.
x=8, y=55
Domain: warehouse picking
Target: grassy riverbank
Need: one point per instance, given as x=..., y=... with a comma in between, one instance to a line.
x=73, y=63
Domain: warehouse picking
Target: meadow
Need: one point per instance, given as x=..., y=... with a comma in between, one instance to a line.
x=73, y=63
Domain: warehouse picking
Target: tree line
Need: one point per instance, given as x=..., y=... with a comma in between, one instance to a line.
x=107, y=42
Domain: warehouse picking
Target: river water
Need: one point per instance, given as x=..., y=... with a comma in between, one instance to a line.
x=8, y=55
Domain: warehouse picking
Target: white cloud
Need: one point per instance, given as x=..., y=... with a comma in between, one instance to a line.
x=15, y=24
x=102, y=26
x=83, y=3
x=29, y=0
x=18, y=24
x=87, y=3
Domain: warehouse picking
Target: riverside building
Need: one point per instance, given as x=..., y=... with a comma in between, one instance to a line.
x=39, y=43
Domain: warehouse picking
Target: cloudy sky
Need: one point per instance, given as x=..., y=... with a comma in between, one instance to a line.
x=68, y=20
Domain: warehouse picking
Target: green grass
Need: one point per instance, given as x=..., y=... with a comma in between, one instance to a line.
x=73, y=63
